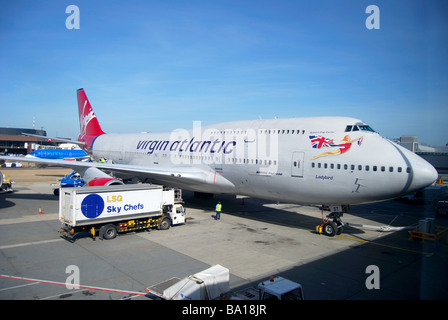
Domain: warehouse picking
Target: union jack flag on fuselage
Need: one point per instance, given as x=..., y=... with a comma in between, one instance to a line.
x=319, y=142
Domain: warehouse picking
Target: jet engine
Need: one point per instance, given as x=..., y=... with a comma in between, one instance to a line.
x=104, y=182
x=95, y=177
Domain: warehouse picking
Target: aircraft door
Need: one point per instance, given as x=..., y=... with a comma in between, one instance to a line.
x=297, y=164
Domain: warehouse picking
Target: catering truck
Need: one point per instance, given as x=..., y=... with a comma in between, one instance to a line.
x=108, y=211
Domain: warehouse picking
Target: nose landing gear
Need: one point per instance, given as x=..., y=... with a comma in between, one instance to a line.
x=335, y=226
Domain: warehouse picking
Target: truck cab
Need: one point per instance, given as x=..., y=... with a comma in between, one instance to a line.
x=172, y=206
x=174, y=214
x=178, y=214
x=278, y=288
x=73, y=179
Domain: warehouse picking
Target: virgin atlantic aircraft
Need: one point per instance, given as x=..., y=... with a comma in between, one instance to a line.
x=334, y=161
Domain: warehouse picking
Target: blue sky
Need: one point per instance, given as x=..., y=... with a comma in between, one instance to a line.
x=160, y=65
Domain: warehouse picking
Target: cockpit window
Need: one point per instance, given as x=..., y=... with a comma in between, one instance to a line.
x=358, y=127
x=365, y=127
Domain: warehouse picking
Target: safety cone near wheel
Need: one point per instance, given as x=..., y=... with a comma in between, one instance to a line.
x=40, y=210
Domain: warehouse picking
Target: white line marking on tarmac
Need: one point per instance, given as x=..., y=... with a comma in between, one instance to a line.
x=30, y=243
x=80, y=286
x=23, y=285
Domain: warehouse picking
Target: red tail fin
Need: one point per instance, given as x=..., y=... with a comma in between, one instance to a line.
x=90, y=127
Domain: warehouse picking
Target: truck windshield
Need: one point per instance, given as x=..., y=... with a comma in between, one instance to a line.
x=295, y=294
x=268, y=296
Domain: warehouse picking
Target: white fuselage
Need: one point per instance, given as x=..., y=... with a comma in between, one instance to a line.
x=322, y=160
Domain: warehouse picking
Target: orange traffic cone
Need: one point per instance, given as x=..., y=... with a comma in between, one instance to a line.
x=40, y=210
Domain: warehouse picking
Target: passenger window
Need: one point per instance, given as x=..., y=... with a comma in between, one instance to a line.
x=352, y=167
x=375, y=168
x=345, y=167
x=408, y=170
x=383, y=168
x=367, y=168
x=339, y=166
x=399, y=169
x=359, y=167
x=391, y=169
x=332, y=166
x=313, y=165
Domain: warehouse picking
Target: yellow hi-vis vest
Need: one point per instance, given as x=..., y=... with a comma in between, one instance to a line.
x=218, y=207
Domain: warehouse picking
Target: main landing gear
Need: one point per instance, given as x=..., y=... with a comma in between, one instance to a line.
x=333, y=225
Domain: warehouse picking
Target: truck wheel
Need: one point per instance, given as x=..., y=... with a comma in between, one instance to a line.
x=329, y=229
x=108, y=232
x=165, y=224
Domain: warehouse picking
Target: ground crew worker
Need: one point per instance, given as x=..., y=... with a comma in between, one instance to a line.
x=218, y=211
x=102, y=160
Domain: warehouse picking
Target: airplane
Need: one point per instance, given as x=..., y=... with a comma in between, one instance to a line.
x=331, y=161
x=66, y=154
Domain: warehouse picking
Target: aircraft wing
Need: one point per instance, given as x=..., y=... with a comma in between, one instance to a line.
x=81, y=143
x=184, y=175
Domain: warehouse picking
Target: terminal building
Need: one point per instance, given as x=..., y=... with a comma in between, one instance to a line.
x=437, y=156
x=13, y=142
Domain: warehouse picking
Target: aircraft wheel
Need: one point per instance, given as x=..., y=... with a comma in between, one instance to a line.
x=329, y=229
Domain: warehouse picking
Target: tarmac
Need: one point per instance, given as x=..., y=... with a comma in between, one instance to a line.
x=254, y=239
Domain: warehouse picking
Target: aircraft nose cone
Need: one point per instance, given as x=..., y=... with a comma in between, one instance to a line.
x=424, y=175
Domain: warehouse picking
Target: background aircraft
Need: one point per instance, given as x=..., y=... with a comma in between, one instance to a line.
x=59, y=154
